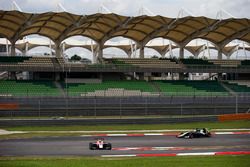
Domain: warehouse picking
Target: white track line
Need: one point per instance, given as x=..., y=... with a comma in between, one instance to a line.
x=128, y=155
x=116, y=134
x=148, y=132
x=224, y=133
x=181, y=154
x=161, y=134
x=191, y=154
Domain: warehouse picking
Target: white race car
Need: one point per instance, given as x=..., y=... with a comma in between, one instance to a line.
x=100, y=145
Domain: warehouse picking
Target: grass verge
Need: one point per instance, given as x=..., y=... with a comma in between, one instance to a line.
x=54, y=130
x=36, y=135
x=107, y=117
x=211, y=125
x=204, y=161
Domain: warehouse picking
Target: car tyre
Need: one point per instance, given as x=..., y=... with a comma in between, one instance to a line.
x=110, y=147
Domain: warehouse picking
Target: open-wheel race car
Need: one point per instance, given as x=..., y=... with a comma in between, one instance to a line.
x=100, y=144
x=197, y=133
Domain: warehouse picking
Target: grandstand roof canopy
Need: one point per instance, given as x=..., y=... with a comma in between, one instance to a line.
x=102, y=27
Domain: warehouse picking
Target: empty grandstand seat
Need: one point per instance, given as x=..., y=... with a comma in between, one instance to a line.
x=28, y=88
x=13, y=59
x=23, y=61
x=196, y=62
x=245, y=62
x=145, y=62
x=226, y=63
x=38, y=61
x=117, y=88
x=183, y=87
x=237, y=86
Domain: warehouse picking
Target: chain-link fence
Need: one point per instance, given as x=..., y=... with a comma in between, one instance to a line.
x=124, y=106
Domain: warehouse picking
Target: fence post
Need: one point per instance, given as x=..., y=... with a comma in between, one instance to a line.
x=67, y=107
x=95, y=108
x=11, y=114
x=39, y=108
x=120, y=108
x=236, y=104
x=181, y=109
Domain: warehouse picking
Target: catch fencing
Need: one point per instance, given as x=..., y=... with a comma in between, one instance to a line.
x=122, y=106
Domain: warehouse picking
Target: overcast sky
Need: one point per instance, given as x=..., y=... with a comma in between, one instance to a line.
x=169, y=8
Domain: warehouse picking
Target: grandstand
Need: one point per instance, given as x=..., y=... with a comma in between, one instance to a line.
x=122, y=88
x=112, y=88
x=130, y=84
x=146, y=63
x=124, y=65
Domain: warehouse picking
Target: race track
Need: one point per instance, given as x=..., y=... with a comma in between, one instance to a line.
x=78, y=146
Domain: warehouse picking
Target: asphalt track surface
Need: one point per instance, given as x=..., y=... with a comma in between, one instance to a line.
x=79, y=146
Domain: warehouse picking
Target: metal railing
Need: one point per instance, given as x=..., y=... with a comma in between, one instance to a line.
x=123, y=93
x=127, y=68
x=93, y=107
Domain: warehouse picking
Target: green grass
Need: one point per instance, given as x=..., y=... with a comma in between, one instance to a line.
x=214, y=161
x=105, y=117
x=36, y=135
x=54, y=130
x=211, y=125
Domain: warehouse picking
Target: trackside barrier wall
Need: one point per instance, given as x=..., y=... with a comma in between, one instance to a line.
x=9, y=106
x=231, y=117
x=116, y=106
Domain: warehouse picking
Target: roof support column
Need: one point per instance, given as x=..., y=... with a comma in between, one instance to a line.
x=26, y=48
x=95, y=53
x=141, y=51
x=219, y=53
x=99, y=53
x=129, y=54
x=58, y=50
x=12, y=75
x=24, y=52
x=162, y=54
x=181, y=53
x=164, y=51
x=181, y=56
x=196, y=55
x=197, y=52
x=13, y=49
x=63, y=48
x=229, y=54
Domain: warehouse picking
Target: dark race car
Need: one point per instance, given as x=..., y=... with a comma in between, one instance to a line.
x=195, y=134
x=100, y=145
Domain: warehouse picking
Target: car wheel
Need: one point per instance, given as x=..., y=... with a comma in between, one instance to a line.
x=108, y=147
x=90, y=146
